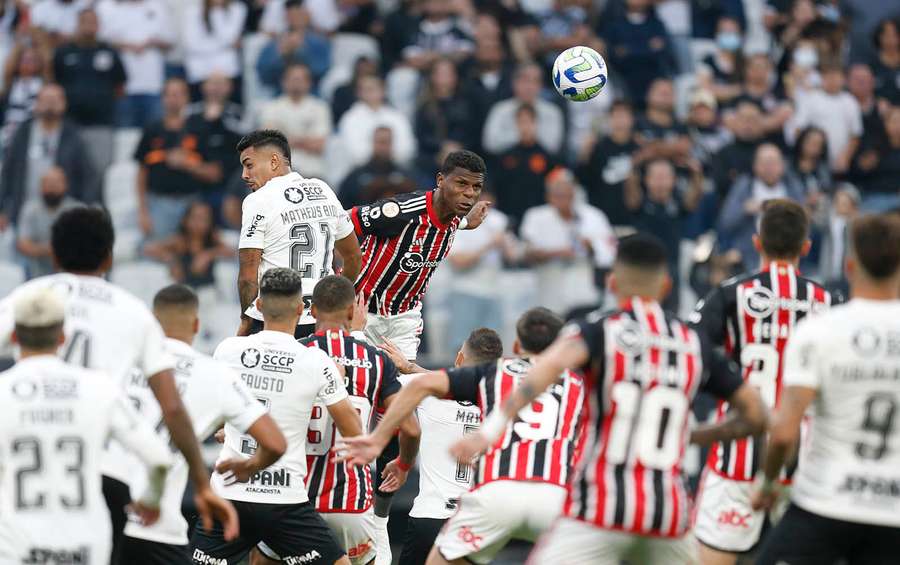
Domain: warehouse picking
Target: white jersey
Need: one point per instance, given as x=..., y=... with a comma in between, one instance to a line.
x=55, y=421
x=442, y=479
x=213, y=394
x=287, y=378
x=851, y=465
x=106, y=329
x=295, y=221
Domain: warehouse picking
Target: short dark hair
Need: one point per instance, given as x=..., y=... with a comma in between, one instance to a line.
x=621, y=104
x=463, y=159
x=484, y=345
x=526, y=108
x=333, y=293
x=642, y=250
x=82, y=239
x=537, y=329
x=281, y=281
x=263, y=138
x=176, y=295
x=783, y=227
x=38, y=338
x=875, y=240
x=296, y=64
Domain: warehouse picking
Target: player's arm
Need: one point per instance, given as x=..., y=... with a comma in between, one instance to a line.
x=248, y=278
x=709, y=316
x=345, y=417
x=396, y=472
x=270, y=446
x=351, y=255
x=404, y=365
x=250, y=246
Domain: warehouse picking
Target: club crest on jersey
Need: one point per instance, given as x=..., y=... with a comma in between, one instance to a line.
x=250, y=358
x=866, y=341
x=293, y=194
x=390, y=209
x=759, y=302
x=629, y=338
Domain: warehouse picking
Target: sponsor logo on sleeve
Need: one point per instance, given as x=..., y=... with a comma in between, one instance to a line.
x=254, y=225
x=390, y=209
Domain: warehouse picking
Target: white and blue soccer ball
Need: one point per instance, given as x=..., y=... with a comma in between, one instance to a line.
x=579, y=73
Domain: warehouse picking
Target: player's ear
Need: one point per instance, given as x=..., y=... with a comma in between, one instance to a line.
x=850, y=267
x=258, y=302
x=196, y=325
x=460, y=359
x=807, y=245
x=314, y=312
x=60, y=339
x=611, y=282
x=666, y=286
x=439, y=179
x=757, y=243
x=14, y=337
x=517, y=347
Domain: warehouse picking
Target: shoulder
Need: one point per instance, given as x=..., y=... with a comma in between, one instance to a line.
x=229, y=346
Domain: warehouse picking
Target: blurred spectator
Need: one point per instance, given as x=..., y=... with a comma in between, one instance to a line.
x=344, y=96
x=235, y=192
x=381, y=177
x=303, y=118
x=24, y=74
x=46, y=140
x=833, y=227
x=476, y=262
x=92, y=74
x=521, y=170
x=707, y=17
x=736, y=158
x=33, y=237
x=638, y=44
x=770, y=179
x=707, y=135
x=487, y=80
x=561, y=27
x=660, y=208
x=442, y=115
x=565, y=240
x=173, y=166
x=142, y=32
x=193, y=250
x=57, y=19
x=297, y=43
x=440, y=33
x=757, y=88
x=211, y=35
x=722, y=70
x=810, y=161
x=886, y=64
x=610, y=164
x=833, y=111
x=500, y=132
x=326, y=16
x=861, y=84
x=878, y=167
x=399, y=25
x=370, y=111
x=659, y=133
x=13, y=20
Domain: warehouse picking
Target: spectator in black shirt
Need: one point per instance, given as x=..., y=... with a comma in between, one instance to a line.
x=92, y=74
x=442, y=116
x=659, y=133
x=610, y=164
x=878, y=168
x=173, y=166
x=521, y=170
x=861, y=84
x=736, y=158
x=488, y=78
x=886, y=64
x=757, y=88
x=345, y=95
x=381, y=177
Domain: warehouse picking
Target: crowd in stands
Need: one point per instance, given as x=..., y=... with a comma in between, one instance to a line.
x=711, y=109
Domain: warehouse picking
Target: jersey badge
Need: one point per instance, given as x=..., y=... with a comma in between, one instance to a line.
x=250, y=358
x=390, y=209
x=293, y=195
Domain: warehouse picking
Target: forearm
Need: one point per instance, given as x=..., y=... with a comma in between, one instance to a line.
x=182, y=433
x=401, y=407
x=736, y=426
x=409, y=438
x=248, y=290
x=263, y=457
x=775, y=457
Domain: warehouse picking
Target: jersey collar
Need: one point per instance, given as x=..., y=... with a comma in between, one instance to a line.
x=775, y=265
x=178, y=346
x=291, y=176
x=629, y=303
x=325, y=332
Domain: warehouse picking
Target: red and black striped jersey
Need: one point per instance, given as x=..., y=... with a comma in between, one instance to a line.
x=541, y=444
x=752, y=317
x=370, y=377
x=403, y=242
x=646, y=366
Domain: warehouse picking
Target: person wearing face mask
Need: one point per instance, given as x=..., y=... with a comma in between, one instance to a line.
x=724, y=67
x=37, y=217
x=40, y=143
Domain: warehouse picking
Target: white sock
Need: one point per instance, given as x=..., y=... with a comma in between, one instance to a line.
x=382, y=542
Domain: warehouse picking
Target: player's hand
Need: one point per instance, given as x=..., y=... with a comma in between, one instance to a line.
x=146, y=513
x=360, y=313
x=469, y=447
x=358, y=450
x=236, y=470
x=219, y=436
x=394, y=477
x=211, y=507
x=763, y=497
x=397, y=356
x=477, y=214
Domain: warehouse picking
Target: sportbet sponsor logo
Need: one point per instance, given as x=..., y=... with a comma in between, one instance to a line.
x=412, y=262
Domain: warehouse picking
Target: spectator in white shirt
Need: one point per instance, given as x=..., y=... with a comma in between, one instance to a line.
x=370, y=111
x=142, y=33
x=566, y=240
x=57, y=18
x=303, y=118
x=833, y=110
x=326, y=15
x=211, y=34
x=500, y=131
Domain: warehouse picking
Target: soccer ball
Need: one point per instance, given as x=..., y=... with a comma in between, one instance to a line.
x=579, y=73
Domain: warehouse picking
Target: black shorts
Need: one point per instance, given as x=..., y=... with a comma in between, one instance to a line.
x=117, y=496
x=302, y=331
x=142, y=552
x=391, y=451
x=804, y=538
x=290, y=530
x=420, y=536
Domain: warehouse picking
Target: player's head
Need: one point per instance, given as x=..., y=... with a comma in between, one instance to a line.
x=264, y=155
x=783, y=231
x=280, y=296
x=176, y=307
x=38, y=315
x=536, y=329
x=640, y=268
x=461, y=180
x=332, y=302
x=82, y=240
x=874, y=258
x=482, y=346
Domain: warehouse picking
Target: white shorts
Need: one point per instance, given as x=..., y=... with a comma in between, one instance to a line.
x=488, y=517
x=724, y=519
x=581, y=542
x=354, y=532
x=403, y=329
